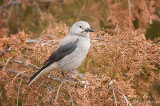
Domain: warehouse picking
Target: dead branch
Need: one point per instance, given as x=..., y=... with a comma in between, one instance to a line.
x=6, y=49
x=114, y=96
x=111, y=86
x=129, y=6
x=26, y=64
x=6, y=63
x=58, y=91
x=97, y=39
x=19, y=90
x=128, y=104
x=16, y=72
x=39, y=10
x=10, y=12
x=9, y=4
x=70, y=96
x=49, y=88
x=31, y=41
x=17, y=20
x=19, y=74
x=40, y=85
x=5, y=6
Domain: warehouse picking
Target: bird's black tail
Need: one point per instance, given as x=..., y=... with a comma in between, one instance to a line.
x=35, y=76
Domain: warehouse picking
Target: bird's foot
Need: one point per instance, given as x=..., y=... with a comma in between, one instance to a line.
x=63, y=74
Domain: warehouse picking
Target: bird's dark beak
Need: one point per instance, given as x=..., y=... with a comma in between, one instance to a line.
x=88, y=30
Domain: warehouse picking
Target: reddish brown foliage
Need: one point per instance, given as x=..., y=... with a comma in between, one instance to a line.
x=124, y=62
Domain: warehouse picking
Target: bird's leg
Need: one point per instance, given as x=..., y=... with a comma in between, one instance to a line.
x=72, y=71
x=70, y=75
x=63, y=74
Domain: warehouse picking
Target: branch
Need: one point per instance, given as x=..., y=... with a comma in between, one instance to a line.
x=19, y=90
x=129, y=6
x=114, y=96
x=111, y=86
x=98, y=39
x=9, y=4
x=16, y=72
x=58, y=91
x=6, y=63
x=39, y=10
x=70, y=96
x=10, y=12
x=31, y=41
x=6, y=49
x=128, y=104
x=21, y=74
x=26, y=64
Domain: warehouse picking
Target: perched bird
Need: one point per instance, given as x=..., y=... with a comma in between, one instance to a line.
x=71, y=51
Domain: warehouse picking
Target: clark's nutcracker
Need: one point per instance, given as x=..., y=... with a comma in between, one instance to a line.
x=71, y=51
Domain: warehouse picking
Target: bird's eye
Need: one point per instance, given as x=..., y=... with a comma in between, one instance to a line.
x=80, y=26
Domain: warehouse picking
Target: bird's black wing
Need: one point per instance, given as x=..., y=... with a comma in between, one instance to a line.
x=61, y=52
x=57, y=55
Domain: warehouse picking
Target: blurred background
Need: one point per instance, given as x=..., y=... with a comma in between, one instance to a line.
x=36, y=15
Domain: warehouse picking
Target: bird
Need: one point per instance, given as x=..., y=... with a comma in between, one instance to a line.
x=70, y=53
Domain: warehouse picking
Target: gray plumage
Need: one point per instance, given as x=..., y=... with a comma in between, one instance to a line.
x=71, y=51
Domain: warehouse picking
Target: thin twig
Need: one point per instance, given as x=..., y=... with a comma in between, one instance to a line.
x=147, y=12
x=39, y=10
x=6, y=63
x=16, y=72
x=85, y=87
x=129, y=6
x=70, y=96
x=98, y=39
x=9, y=4
x=19, y=90
x=58, y=91
x=27, y=76
x=17, y=20
x=60, y=7
x=10, y=12
x=152, y=59
x=128, y=104
x=19, y=74
x=39, y=85
x=6, y=49
x=31, y=41
x=57, y=79
x=74, y=82
x=155, y=61
x=82, y=9
x=114, y=96
x=45, y=1
x=26, y=64
x=49, y=88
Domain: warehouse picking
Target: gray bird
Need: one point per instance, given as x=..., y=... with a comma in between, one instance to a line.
x=71, y=51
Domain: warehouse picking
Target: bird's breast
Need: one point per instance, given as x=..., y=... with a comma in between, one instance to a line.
x=74, y=60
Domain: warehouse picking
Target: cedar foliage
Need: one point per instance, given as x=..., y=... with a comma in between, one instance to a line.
x=120, y=62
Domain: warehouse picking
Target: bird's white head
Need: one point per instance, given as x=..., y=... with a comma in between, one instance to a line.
x=80, y=28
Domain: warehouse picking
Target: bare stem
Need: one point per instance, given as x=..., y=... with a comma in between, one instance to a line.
x=58, y=91
x=19, y=90
x=39, y=10
x=128, y=104
x=26, y=64
x=129, y=6
x=6, y=49
x=70, y=96
x=114, y=97
x=6, y=63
